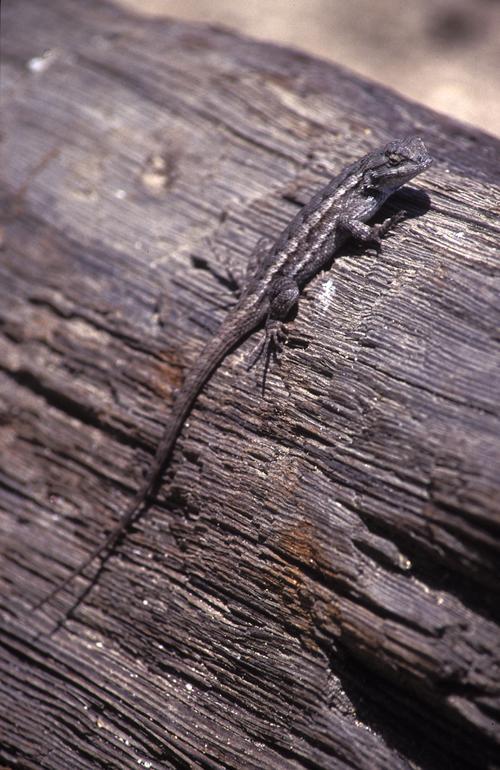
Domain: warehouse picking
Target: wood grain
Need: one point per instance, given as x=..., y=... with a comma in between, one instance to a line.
x=316, y=584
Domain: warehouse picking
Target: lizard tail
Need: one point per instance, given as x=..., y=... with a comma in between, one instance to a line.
x=213, y=354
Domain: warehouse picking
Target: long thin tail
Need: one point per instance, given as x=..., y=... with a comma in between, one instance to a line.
x=229, y=335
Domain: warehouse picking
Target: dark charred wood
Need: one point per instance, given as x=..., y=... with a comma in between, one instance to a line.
x=316, y=583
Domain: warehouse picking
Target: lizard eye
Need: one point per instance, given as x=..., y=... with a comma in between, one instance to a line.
x=393, y=159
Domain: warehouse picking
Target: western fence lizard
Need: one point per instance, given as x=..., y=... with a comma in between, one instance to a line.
x=275, y=278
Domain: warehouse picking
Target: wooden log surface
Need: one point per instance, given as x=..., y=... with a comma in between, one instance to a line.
x=316, y=583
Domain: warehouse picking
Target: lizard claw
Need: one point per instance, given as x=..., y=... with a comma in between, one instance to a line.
x=275, y=336
x=272, y=345
x=382, y=229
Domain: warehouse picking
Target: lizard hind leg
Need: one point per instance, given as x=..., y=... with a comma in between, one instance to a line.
x=283, y=300
x=271, y=346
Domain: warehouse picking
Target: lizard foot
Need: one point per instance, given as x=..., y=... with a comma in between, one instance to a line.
x=275, y=336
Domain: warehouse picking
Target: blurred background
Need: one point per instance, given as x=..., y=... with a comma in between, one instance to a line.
x=443, y=53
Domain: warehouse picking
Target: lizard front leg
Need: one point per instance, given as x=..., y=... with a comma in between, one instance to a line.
x=364, y=232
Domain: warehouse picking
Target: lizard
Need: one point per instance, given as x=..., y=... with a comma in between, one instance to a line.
x=277, y=273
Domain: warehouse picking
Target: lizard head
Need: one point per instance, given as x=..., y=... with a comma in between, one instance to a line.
x=397, y=163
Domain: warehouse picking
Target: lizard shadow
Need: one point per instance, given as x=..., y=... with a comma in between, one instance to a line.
x=413, y=200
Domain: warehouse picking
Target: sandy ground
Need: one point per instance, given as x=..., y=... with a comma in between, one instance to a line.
x=444, y=53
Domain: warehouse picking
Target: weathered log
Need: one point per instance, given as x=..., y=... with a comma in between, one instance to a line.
x=316, y=584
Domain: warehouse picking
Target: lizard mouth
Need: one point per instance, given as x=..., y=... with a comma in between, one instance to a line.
x=424, y=161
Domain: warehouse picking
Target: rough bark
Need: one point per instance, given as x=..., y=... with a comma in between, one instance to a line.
x=316, y=584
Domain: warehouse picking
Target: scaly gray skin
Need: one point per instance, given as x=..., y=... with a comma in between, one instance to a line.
x=277, y=273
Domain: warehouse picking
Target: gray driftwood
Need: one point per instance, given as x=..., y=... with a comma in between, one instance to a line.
x=316, y=584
